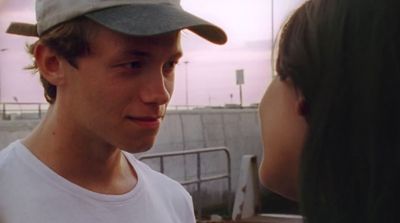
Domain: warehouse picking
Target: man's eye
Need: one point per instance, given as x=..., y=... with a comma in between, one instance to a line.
x=170, y=66
x=133, y=65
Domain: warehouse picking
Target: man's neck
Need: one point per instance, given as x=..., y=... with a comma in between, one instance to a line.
x=85, y=161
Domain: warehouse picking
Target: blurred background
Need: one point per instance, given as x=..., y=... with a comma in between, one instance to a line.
x=206, y=73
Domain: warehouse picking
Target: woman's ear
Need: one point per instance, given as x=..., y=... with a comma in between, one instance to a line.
x=302, y=106
x=49, y=64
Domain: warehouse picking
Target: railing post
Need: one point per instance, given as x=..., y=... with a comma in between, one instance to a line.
x=40, y=111
x=162, y=164
x=228, y=156
x=4, y=111
x=199, y=202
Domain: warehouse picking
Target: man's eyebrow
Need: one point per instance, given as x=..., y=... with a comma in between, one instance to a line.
x=140, y=53
x=137, y=53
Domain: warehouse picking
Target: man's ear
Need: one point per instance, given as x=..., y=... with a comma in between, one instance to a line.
x=49, y=64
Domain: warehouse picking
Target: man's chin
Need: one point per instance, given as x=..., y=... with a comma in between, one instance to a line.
x=138, y=148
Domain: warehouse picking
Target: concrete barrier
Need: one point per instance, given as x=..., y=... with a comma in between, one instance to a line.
x=237, y=129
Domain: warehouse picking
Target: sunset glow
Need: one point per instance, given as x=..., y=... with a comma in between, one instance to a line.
x=210, y=68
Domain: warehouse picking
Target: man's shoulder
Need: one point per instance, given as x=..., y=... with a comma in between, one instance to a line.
x=165, y=189
x=10, y=166
x=8, y=154
x=147, y=171
x=156, y=178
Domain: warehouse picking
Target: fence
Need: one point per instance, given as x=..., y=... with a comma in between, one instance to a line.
x=199, y=178
x=26, y=110
x=35, y=110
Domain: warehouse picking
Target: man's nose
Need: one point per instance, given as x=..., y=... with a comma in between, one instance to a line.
x=155, y=89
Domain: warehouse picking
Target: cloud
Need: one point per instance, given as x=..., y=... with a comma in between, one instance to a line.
x=230, y=53
x=16, y=5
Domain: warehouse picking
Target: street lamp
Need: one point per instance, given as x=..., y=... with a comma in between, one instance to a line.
x=1, y=87
x=272, y=23
x=186, y=84
x=272, y=39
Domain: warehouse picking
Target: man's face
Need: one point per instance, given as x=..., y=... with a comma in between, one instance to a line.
x=119, y=93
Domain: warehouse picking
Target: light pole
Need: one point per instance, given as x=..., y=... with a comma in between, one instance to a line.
x=272, y=23
x=1, y=86
x=272, y=40
x=186, y=84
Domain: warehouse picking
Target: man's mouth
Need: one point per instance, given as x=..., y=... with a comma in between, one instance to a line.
x=146, y=121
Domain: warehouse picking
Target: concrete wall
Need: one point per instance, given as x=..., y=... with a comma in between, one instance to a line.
x=237, y=129
x=15, y=129
x=184, y=130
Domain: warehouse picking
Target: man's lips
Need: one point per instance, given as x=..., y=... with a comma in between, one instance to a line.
x=146, y=121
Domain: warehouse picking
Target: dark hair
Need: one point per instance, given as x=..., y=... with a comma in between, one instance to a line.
x=344, y=56
x=70, y=40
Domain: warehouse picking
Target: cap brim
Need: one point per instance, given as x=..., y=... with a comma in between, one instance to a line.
x=24, y=29
x=148, y=20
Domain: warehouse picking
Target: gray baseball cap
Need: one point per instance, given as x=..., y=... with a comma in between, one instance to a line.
x=131, y=17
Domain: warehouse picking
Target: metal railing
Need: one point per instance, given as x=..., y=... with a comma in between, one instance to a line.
x=36, y=110
x=199, y=178
x=22, y=110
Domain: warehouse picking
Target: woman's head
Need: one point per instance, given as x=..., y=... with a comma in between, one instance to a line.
x=342, y=59
x=282, y=111
x=284, y=131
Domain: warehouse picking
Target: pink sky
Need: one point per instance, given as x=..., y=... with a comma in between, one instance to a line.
x=211, y=68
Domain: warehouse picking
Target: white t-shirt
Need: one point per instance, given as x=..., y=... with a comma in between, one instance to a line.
x=32, y=192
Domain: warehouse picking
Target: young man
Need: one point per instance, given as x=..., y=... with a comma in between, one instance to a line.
x=108, y=72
